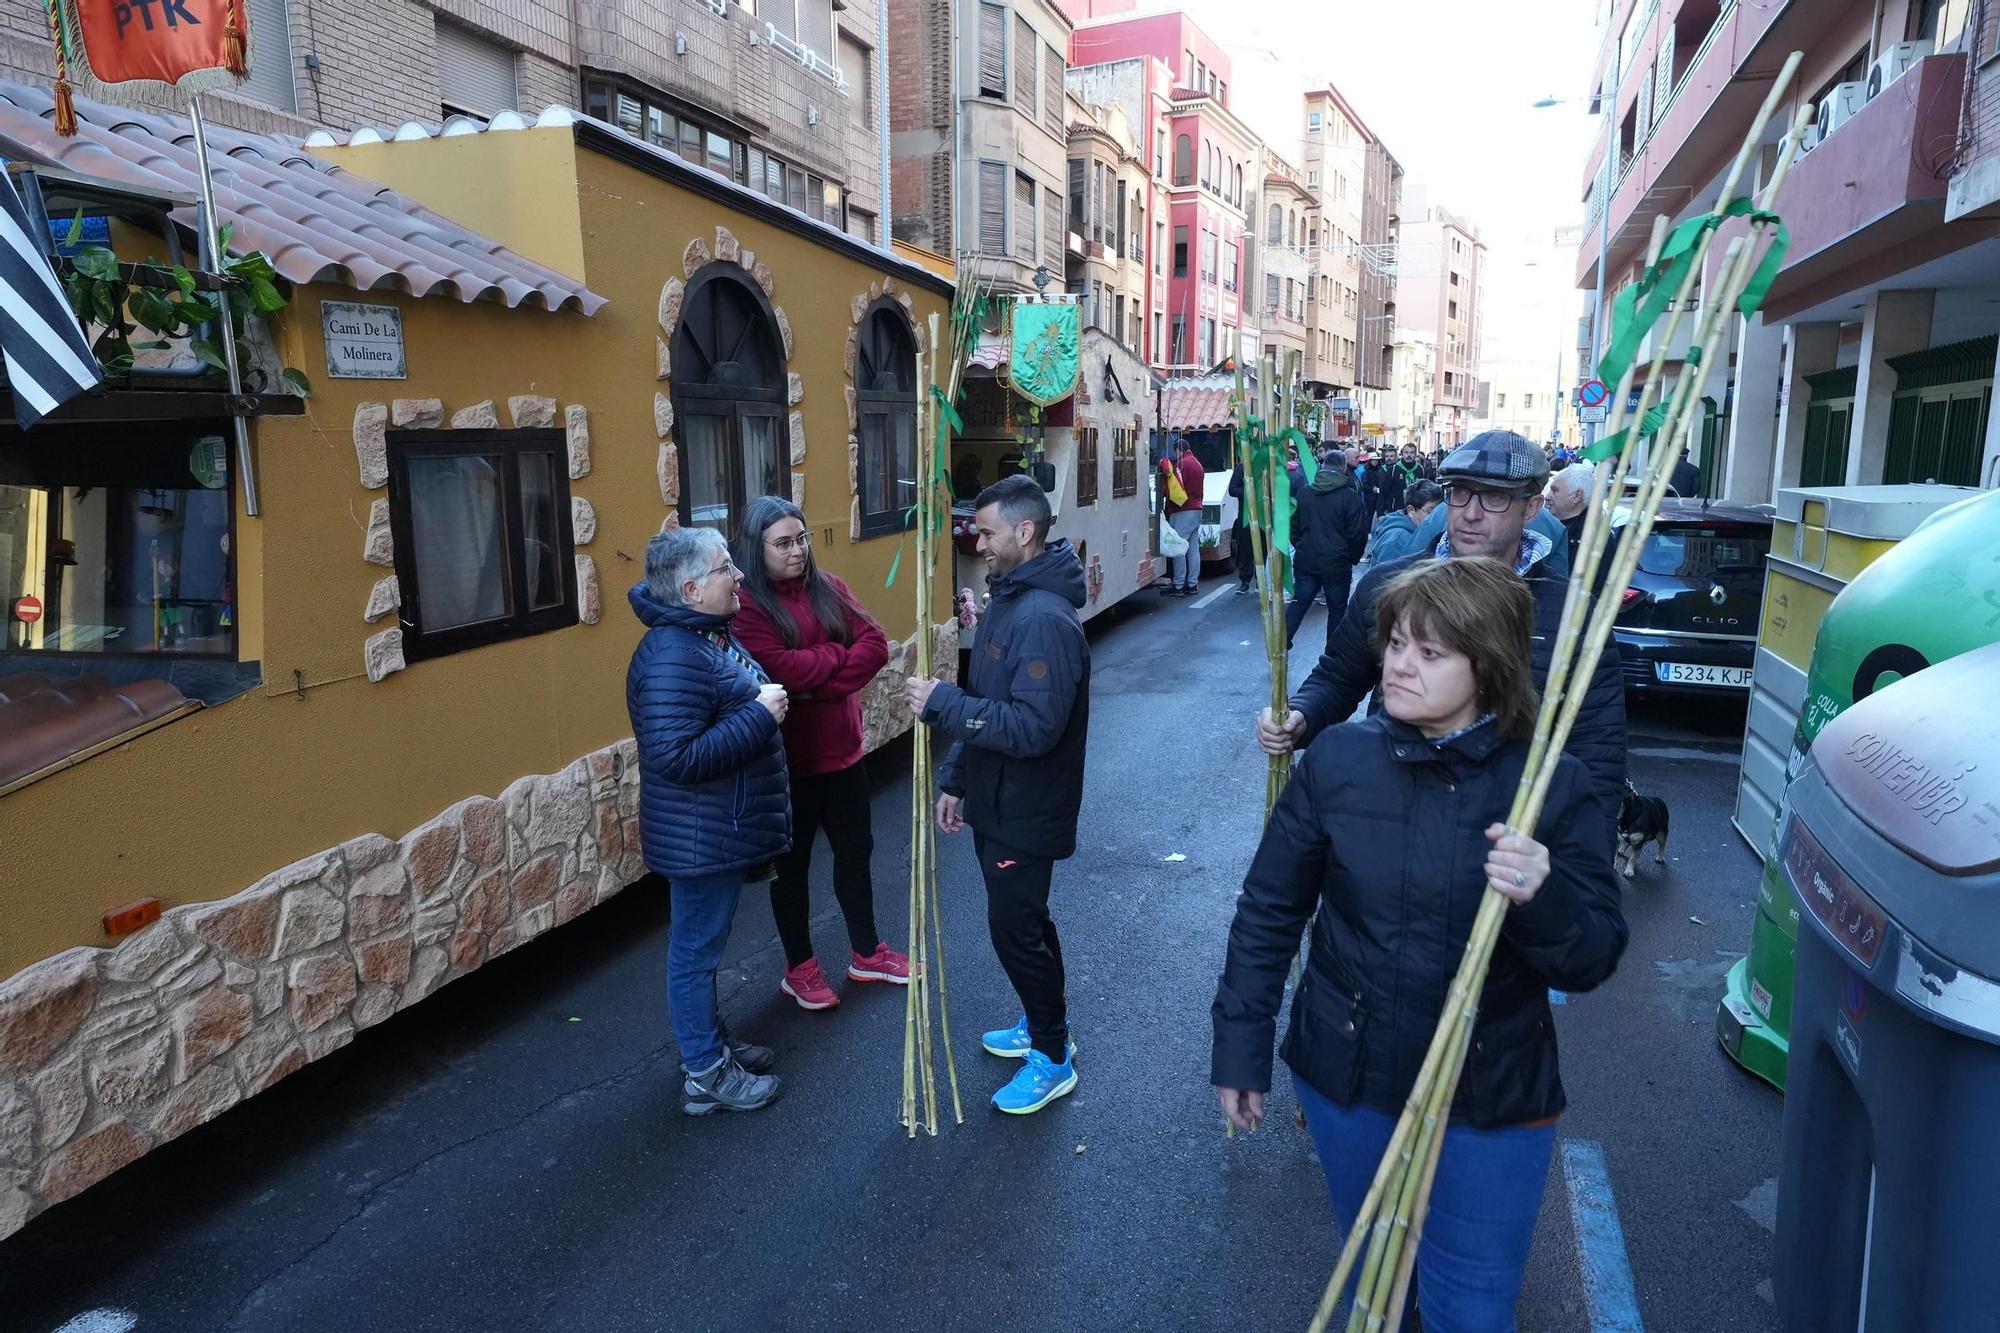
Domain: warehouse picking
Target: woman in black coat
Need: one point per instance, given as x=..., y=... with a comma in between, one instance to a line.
x=1390, y=828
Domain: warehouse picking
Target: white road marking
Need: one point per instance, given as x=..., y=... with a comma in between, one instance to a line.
x=1220, y=590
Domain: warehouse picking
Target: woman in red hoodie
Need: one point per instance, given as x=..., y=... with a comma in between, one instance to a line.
x=808, y=632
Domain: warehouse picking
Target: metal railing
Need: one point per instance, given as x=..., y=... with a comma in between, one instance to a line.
x=809, y=59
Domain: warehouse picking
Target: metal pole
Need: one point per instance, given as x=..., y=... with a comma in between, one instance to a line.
x=1610, y=113
x=211, y=262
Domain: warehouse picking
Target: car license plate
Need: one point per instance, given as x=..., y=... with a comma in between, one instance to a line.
x=1695, y=673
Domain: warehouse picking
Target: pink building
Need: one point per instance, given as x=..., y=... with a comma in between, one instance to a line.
x=1204, y=160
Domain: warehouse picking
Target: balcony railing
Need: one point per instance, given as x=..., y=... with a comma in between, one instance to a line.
x=808, y=59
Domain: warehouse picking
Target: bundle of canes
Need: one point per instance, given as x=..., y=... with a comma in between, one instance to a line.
x=1391, y=1217
x=940, y=370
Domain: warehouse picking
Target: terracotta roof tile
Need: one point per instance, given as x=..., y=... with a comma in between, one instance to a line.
x=316, y=221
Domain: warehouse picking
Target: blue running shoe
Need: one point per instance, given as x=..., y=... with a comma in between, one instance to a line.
x=1013, y=1043
x=1040, y=1082
x=1007, y=1043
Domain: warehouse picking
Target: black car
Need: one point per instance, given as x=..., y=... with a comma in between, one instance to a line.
x=1688, y=622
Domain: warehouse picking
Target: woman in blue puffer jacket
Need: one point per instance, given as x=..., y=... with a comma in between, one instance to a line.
x=713, y=804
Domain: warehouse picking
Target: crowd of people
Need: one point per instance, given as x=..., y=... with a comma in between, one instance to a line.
x=743, y=699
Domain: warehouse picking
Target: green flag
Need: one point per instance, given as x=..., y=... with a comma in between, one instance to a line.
x=1047, y=350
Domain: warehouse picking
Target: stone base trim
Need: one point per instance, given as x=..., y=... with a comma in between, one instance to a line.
x=107, y=1053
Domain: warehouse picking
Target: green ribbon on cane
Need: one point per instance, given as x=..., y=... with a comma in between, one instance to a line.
x=1640, y=305
x=948, y=420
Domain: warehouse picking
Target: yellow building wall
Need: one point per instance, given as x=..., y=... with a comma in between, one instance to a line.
x=204, y=807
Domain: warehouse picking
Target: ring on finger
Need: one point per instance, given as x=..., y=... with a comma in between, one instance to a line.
x=1519, y=879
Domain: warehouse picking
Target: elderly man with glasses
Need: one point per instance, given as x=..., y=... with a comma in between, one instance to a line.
x=713, y=804
x=1493, y=492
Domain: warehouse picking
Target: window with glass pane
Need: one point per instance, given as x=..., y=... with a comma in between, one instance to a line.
x=718, y=154
x=691, y=142
x=1086, y=466
x=481, y=522
x=885, y=381
x=660, y=127
x=1124, y=463
x=126, y=548
x=729, y=399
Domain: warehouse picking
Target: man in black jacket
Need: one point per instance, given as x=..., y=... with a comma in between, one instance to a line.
x=1493, y=487
x=1015, y=768
x=1329, y=532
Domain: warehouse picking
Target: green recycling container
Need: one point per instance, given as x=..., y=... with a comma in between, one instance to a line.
x=1932, y=596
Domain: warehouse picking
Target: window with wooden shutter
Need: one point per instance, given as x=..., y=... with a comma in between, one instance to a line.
x=1271, y=292
x=854, y=59
x=992, y=51
x=1024, y=64
x=1053, y=241
x=474, y=74
x=1097, y=201
x=1024, y=219
x=1086, y=466
x=270, y=78
x=815, y=31
x=1052, y=91
x=993, y=207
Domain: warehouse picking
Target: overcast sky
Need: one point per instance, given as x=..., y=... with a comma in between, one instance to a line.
x=1450, y=87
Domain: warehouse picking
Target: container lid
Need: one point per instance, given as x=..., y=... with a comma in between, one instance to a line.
x=1885, y=513
x=1919, y=763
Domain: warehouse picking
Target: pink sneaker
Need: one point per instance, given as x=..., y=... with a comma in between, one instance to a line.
x=885, y=964
x=807, y=984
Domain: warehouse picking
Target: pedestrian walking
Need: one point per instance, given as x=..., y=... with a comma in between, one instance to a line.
x=1391, y=827
x=1493, y=488
x=1329, y=532
x=1686, y=479
x=809, y=634
x=1396, y=535
x=1404, y=472
x=1569, y=501
x=1015, y=769
x=1183, y=469
x=1240, y=548
x=712, y=803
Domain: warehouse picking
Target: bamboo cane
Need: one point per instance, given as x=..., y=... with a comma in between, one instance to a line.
x=1560, y=709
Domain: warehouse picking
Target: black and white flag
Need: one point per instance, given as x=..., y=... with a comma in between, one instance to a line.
x=48, y=359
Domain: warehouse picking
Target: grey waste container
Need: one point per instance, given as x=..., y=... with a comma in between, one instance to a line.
x=1889, y=1178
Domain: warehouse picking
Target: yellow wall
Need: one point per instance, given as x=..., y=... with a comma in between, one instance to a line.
x=516, y=186
x=206, y=806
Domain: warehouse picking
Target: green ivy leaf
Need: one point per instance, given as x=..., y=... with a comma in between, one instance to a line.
x=198, y=310
x=119, y=365
x=184, y=280
x=265, y=295
x=75, y=229
x=152, y=310
x=94, y=261
x=296, y=381
x=102, y=308
x=209, y=354
x=222, y=236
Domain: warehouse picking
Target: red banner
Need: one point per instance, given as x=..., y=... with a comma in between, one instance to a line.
x=162, y=40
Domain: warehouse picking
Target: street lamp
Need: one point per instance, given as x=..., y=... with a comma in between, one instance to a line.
x=1610, y=114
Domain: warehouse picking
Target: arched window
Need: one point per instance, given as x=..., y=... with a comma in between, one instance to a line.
x=1276, y=227
x=1183, y=160
x=885, y=390
x=729, y=398
x=1236, y=181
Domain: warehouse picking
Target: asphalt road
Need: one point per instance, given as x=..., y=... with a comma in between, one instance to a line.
x=510, y=1155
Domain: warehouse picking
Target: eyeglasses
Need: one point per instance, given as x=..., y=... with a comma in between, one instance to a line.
x=1493, y=502
x=786, y=545
x=726, y=567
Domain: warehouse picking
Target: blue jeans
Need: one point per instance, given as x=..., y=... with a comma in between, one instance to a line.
x=1185, y=571
x=703, y=908
x=1481, y=1223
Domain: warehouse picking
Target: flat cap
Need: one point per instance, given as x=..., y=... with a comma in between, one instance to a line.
x=1499, y=459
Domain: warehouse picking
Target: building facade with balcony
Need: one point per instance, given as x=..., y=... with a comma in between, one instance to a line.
x=1283, y=215
x=1336, y=153
x=979, y=134
x=1873, y=357
x=1140, y=90
x=1110, y=190
x=784, y=98
x=1440, y=271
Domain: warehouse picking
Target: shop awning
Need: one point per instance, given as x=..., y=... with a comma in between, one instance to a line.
x=317, y=222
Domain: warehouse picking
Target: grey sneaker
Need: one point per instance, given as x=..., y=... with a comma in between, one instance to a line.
x=754, y=1058
x=728, y=1087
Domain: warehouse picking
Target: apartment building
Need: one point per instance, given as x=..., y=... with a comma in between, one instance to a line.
x=781, y=95
x=1284, y=215
x=1140, y=90
x=1407, y=409
x=1210, y=156
x=1381, y=234
x=1441, y=275
x=1110, y=187
x=978, y=117
x=1336, y=153
x=1874, y=356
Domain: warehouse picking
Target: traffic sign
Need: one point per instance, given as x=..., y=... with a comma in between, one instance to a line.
x=1592, y=393
x=1592, y=415
x=28, y=610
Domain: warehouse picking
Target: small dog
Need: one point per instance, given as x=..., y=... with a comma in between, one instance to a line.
x=1641, y=819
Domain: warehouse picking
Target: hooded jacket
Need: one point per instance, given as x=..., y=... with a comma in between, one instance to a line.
x=824, y=679
x=1350, y=669
x=1019, y=724
x=1383, y=831
x=1395, y=537
x=712, y=785
x=1330, y=527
